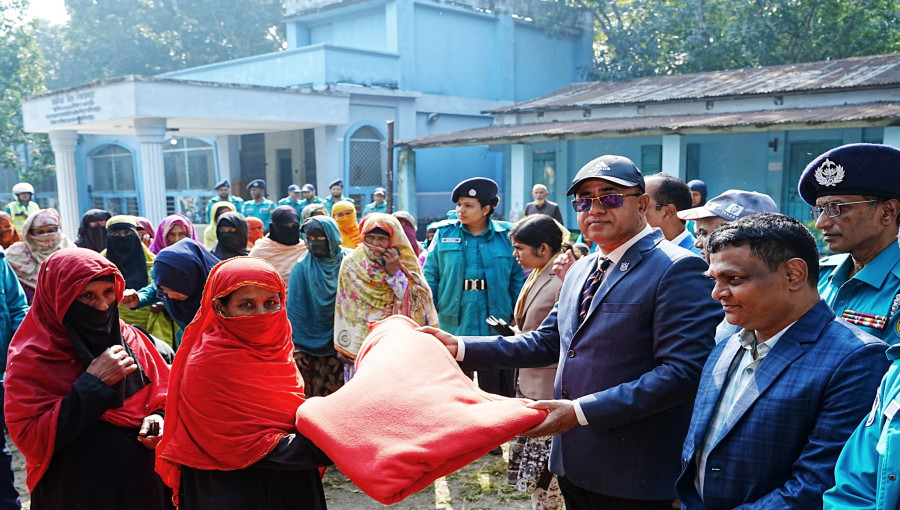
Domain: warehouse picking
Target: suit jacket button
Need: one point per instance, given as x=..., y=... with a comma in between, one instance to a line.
x=565, y=394
x=571, y=353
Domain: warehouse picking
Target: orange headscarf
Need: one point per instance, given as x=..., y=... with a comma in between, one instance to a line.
x=8, y=232
x=255, y=231
x=347, y=224
x=235, y=388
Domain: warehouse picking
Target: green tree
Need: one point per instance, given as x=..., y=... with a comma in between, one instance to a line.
x=21, y=76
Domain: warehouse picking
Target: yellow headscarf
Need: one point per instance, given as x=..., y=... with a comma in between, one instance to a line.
x=347, y=224
x=209, y=235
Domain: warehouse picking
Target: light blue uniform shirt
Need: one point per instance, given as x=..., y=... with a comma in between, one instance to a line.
x=262, y=210
x=296, y=204
x=869, y=300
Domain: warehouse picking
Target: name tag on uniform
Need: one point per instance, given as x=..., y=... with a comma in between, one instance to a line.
x=891, y=410
x=456, y=240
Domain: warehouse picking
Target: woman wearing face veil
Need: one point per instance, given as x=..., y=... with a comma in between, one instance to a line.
x=310, y=306
x=231, y=235
x=83, y=392
x=283, y=246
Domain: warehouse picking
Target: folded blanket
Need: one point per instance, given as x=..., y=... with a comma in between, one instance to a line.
x=409, y=416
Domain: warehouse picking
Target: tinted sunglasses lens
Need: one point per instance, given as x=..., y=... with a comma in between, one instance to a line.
x=612, y=201
x=581, y=204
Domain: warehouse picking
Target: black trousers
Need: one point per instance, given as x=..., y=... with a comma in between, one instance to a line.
x=578, y=498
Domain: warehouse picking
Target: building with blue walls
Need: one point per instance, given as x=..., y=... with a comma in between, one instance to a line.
x=315, y=112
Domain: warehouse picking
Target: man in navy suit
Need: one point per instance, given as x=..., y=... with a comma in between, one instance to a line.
x=778, y=399
x=632, y=328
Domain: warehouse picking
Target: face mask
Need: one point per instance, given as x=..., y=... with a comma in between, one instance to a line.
x=319, y=249
x=285, y=235
x=44, y=241
x=229, y=241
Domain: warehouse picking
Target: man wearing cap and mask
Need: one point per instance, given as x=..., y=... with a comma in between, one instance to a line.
x=309, y=196
x=631, y=330
x=728, y=206
x=224, y=194
x=293, y=199
x=258, y=206
x=854, y=192
x=336, y=188
x=378, y=204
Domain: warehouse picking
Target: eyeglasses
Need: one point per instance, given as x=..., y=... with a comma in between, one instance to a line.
x=658, y=206
x=613, y=201
x=833, y=209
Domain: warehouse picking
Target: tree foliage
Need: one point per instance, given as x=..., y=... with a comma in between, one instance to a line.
x=21, y=76
x=108, y=38
x=636, y=38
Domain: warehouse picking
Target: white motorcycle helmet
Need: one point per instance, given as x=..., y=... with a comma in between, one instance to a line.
x=22, y=187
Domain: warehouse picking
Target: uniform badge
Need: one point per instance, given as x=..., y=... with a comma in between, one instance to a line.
x=734, y=210
x=623, y=266
x=472, y=192
x=829, y=173
x=874, y=411
x=455, y=240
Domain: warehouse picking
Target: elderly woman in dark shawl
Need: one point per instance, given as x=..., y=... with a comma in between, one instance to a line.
x=310, y=306
x=92, y=232
x=231, y=236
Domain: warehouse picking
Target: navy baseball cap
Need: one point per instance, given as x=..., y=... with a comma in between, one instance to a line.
x=731, y=205
x=257, y=183
x=855, y=169
x=293, y=188
x=615, y=169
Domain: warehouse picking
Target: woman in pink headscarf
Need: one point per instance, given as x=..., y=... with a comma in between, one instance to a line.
x=172, y=228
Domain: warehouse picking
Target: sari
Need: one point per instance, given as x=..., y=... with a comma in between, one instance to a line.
x=26, y=256
x=159, y=240
x=347, y=224
x=209, y=235
x=8, y=232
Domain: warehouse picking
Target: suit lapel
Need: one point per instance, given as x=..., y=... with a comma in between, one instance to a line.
x=542, y=280
x=629, y=261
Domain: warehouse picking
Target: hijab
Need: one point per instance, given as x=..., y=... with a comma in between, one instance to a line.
x=128, y=253
x=279, y=229
x=183, y=267
x=8, y=232
x=145, y=225
x=409, y=228
x=347, y=224
x=209, y=235
x=256, y=230
x=364, y=294
x=282, y=247
x=26, y=256
x=234, y=392
x=312, y=210
x=159, y=240
x=54, y=344
x=230, y=244
x=92, y=238
x=313, y=286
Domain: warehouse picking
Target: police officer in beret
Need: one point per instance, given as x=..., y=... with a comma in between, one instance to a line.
x=854, y=190
x=223, y=188
x=336, y=188
x=472, y=272
x=258, y=206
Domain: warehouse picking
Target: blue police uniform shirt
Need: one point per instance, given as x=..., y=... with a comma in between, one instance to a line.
x=373, y=207
x=870, y=299
x=330, y=201
x=296, y=204
x=237, y=201
x=262, y=210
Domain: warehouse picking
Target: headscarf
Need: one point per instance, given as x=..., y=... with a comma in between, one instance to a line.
x=44, y=362
x=128, y=253
x=409, y=228
x=234, y=392
x=183, y=267
x=282, y=247
x=347, y=224
x=230, y=244
x=26, y=256
x=312, y=210
x=700, y=187
x=159, y=240
x=92, y=238
x=364, y=296
x=8, y=232
x=313, y=286
x=145, y=225
x=209, y=235
x=255, y=230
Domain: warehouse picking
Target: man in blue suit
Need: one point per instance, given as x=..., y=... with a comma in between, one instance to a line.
x=778, y=399
x=632, y=328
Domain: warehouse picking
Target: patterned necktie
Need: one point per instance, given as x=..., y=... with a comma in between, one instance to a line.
x=590, y=288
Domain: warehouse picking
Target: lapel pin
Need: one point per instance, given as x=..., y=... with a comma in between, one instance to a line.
x=623, y=266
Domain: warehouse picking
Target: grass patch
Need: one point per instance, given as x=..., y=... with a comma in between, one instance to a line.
x=489, y=481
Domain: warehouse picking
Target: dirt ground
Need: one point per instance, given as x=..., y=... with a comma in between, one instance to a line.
x=479, y=486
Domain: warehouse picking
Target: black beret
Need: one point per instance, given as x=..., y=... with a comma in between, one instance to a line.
x=336, y=182
x=855, y=169
x=476, y=187
x=223, y=184
x=257, y=183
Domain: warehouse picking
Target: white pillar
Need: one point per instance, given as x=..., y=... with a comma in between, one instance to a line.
x=406, y=182
x=151, y=132
x=63, y=144
x=671, y=156
x=516, y=181
x=892, y=136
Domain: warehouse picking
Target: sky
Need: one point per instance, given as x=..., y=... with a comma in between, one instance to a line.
x=53, y=11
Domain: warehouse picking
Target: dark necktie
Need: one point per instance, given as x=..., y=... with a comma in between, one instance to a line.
x=590, y=288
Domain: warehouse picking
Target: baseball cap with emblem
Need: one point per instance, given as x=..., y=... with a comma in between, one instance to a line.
x=731, y=205
x=293, y=188
x=855, y=169
x=476, y=187
x=380, y=191
x=615, y=169
x=307, y=187
x=257, y=183
x=222, y=184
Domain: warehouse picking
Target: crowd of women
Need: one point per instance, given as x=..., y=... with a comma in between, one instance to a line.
x=168, y=362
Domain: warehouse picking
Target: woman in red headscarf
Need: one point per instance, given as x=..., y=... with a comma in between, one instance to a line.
x=8, y=233
x=83, y=392
x=231, y=441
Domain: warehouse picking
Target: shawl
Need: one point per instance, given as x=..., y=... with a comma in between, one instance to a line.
x=364, y=295
x=8, y=232
x=43, y=363
x=282, y=256
x=234, y=392
x=145, y=225
x=347, y=224
x=395, y=435
x=128, y=253
x=92, y=238
x=256, y=230
x=312, y=289
x=183, y=267
x=159, y=240
x=312, y=210
x=409, y=228
x=26, y=256
x=209, y=235
x=230, y=244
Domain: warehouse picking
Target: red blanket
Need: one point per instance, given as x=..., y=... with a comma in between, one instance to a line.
x=409, y=415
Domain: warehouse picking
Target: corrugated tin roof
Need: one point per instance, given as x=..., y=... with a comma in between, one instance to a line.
x=864, y=114
x=857, y=72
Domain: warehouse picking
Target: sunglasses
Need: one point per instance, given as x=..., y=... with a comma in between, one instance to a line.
x=613, y=201
x=833, y=209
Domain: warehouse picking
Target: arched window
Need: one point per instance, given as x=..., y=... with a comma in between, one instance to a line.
x=190, y=166
x=367, y=156
x=112, y=186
